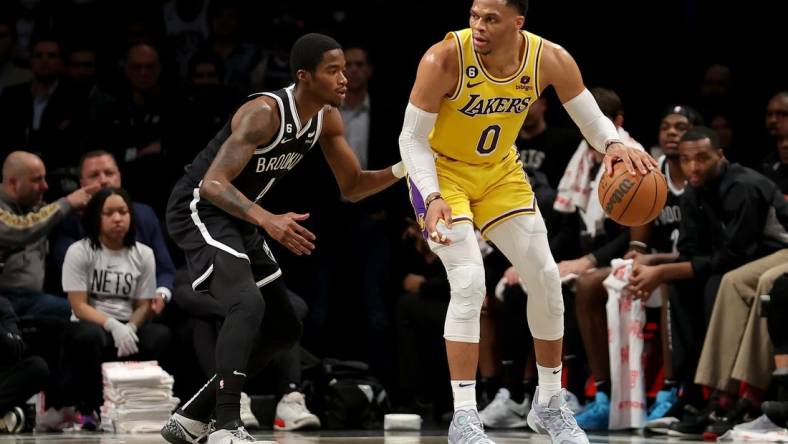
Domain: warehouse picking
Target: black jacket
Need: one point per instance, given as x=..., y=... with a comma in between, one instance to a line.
x=737, y=218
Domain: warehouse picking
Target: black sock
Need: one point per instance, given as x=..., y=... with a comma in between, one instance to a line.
x=201, y=405
x=603, y=386
x=228, y=398
x=513, y=380
x=529, y=387
x=781, y=380
x=669, y=384
x=693, y=395
x=489, y=386
x=286, y=389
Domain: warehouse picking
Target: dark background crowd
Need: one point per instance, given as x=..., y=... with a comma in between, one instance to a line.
x=146, y=84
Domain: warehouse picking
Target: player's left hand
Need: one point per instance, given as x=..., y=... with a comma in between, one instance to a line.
x=286, y=230
x=634, y=159
x=644, y=280
x=438, y=210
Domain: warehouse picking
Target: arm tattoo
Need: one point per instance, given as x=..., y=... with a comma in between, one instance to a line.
x=230, y=161
x=230, y=196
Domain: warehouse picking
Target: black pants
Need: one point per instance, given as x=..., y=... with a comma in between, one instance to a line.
x=21, y=381
x=254, y=330
x=778, y=315
x=517, y=340
x=423, y=366
x=87, y=346
x=691, y=304
x=287, y=364
x=228, y=259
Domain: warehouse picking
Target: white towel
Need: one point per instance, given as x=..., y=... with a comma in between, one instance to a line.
x=576, y=188
x=575, y=185
x=140, y=374
x=156, y=394
x=137, y=397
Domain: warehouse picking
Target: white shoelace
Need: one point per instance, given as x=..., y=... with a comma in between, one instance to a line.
x=241, y=433
x=475, y=432
x=565, y=416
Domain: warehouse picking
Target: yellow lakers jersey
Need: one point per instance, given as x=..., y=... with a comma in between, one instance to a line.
x=480, y=122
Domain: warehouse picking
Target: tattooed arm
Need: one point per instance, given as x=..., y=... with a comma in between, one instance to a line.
x=253, y=125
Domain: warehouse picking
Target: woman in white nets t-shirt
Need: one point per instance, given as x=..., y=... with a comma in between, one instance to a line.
x=110, y=280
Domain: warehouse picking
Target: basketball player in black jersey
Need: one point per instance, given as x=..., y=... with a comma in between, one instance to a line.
x=214, y=215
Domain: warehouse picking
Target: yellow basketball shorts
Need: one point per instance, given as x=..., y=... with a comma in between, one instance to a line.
x=482, y=194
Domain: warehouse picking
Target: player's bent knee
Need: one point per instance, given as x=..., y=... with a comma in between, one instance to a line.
x=247, y=307
x=467, y=296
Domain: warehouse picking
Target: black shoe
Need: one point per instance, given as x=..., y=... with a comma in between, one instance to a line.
x=776, y=411
x=742, y=411
x=661, y=426
x=695, y=421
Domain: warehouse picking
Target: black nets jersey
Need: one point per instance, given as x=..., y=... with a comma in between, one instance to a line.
x=271, y=162
x=665, y=230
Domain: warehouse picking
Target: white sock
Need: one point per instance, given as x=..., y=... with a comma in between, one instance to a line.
x=549, y=383
x=464, y=395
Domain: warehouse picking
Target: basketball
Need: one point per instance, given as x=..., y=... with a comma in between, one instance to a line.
x=632, y=200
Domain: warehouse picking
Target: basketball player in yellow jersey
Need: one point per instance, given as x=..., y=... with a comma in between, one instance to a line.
x=469, y=100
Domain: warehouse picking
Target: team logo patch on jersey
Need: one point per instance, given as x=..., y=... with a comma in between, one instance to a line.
x=524, y=86
x=472, y=72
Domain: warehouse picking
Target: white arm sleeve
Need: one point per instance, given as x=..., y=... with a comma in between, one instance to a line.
x=597, y=129
x=414, y=147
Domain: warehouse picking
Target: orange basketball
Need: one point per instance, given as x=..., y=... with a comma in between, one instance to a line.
x=632, y=200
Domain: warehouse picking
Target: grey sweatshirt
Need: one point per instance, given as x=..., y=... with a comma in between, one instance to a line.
x=23, y=242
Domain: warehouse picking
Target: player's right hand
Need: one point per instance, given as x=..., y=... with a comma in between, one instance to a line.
x=79, y=198
x=634, y=159
x=439, y=210
x=284, y=228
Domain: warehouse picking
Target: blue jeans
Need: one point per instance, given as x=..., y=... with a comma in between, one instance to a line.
x=38, y=305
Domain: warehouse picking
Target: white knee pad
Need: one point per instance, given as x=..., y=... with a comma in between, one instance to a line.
x=546, y=304
x=467, y=296
x=523, y=240
x=464, y=268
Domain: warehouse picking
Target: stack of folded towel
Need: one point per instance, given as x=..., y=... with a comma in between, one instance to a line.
x=137, y=397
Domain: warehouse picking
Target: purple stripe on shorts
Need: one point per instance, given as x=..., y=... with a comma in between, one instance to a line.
x=418, y=206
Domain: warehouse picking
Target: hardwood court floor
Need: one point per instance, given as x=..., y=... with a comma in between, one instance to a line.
x=326, y=437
